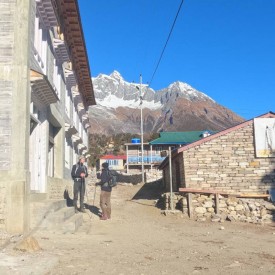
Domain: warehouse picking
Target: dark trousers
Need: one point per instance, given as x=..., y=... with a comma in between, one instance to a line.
x=79, y=187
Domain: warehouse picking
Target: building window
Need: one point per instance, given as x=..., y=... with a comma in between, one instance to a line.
x=158, y=149
x=112, y=162
x=57, y=80
x=67, y=155
x=40, y=44
x=68, y=103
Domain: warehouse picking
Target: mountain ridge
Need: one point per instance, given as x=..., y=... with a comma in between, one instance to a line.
x=179, y=107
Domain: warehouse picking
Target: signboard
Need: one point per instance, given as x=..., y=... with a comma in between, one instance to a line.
x=264, y=130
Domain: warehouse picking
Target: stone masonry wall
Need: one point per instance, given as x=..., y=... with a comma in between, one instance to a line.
x=228, y=163
x=203, y=208
x=57, y=188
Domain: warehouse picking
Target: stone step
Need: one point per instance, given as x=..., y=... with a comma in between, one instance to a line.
x=57, y=219
x=40, y=210
x=72, y=224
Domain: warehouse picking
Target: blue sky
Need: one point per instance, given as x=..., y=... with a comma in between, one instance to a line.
x=223, y=48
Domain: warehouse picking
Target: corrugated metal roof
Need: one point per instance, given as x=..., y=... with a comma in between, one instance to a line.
x=179, y=137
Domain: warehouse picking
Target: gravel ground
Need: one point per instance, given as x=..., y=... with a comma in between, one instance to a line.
x=140, y=240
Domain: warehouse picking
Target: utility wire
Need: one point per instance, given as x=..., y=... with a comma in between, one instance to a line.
x=171, y=30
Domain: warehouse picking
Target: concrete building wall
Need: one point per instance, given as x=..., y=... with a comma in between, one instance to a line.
x=226, y=163
x=29, y=164
x=3, y=205
x=14, y=115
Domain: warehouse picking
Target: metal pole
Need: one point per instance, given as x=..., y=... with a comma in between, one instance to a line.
x=127, y=159
x=171, y=182
x=141, y=130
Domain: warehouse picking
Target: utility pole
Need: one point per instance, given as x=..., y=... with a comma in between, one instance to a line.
x=141, y=127
x=171, y=180
x=139, y=87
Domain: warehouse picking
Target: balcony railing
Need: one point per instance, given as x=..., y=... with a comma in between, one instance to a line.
x=148, y=160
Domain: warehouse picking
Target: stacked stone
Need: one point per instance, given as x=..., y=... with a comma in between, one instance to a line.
x=182, y=204
x=179, y=202
x=249, y=210
x=203, y=207
x=230, y=208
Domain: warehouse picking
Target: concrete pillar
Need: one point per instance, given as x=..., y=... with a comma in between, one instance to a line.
x=14, y=175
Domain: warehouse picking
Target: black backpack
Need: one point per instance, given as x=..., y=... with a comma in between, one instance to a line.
x=112, y=179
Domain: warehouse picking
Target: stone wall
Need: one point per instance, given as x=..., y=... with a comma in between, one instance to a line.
x=14, y=115
x=58, y=189
x=203, y=208
x=225, y=163
x=3, y=205
x=7, y=10
x=130, y=178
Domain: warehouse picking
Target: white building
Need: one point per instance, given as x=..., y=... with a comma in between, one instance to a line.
x=44, y=123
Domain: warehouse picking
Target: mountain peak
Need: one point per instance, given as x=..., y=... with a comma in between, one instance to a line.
x=187, y=91
x=178, y=107
x=180, y=85
x=116, y=75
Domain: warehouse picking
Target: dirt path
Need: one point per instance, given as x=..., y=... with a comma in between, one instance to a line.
x=139, y=240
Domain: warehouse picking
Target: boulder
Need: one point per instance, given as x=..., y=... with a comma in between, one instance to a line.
x=29, y=244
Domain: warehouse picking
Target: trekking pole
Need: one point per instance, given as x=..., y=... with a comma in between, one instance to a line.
x=94, y=196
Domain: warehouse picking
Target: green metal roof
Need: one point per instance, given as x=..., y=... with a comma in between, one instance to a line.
x=179, y=137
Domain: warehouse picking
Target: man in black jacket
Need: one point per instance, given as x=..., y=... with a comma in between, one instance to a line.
x=79, y=173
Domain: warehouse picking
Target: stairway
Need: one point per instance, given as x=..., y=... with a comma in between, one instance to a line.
x=54, y=215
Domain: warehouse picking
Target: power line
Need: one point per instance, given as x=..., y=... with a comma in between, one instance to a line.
x=171, y=30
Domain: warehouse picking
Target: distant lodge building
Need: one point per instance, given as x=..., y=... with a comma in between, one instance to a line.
x=152, y=151
x=46, y=91
x=115, y=162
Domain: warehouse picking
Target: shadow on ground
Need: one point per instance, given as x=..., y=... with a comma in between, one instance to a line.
x=149, y=191
x=94, y=209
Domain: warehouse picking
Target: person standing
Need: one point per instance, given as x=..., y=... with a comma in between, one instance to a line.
x=79, y=173
x=105, y=195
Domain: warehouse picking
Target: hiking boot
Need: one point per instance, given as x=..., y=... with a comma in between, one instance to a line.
x=103, y=218
x=76, y=210
x=82, y=210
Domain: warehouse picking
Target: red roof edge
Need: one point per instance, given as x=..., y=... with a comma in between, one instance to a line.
x=114, y=157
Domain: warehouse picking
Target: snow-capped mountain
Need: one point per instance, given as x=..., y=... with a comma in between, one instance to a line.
x=179, y=107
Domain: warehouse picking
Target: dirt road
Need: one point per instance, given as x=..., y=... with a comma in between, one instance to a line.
x=139, y=240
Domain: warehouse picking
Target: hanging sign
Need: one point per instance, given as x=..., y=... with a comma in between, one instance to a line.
x=264, y=130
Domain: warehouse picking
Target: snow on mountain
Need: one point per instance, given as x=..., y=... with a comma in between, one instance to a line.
x=179, y=107
x=113, y=91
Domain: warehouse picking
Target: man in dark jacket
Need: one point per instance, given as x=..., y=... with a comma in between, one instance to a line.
x=79, y=173
x=105, y=195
